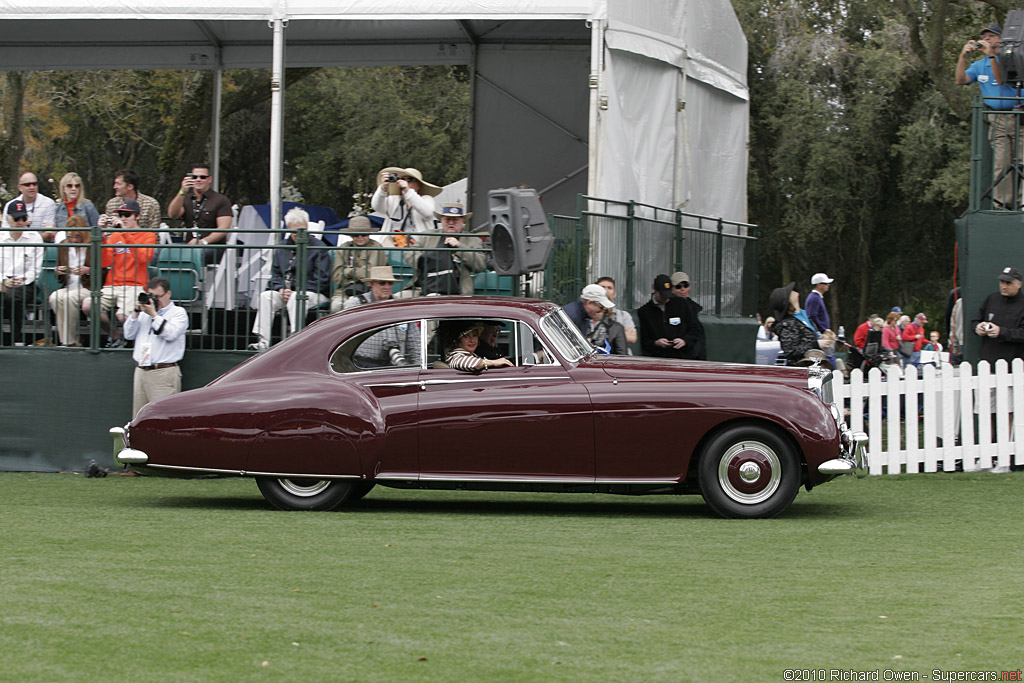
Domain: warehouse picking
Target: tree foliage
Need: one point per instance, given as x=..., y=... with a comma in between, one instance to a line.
x=342, y=125
x=859, y=146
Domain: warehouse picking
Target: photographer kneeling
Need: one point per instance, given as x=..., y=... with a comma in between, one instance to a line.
x=158, y=327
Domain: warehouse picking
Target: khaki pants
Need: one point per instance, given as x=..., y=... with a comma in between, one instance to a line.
x=149, y=385
x=1002, y=135
x=66, y=305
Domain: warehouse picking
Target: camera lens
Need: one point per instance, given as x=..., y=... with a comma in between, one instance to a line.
x=392, y=177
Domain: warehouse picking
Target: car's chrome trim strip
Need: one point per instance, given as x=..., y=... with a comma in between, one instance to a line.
x=541, y=480
x=426, y=382
x=247, y=473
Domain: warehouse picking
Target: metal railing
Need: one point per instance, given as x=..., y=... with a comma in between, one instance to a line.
x=220, y=296
x=219, y=285
x=634, y=242
x=989, y=184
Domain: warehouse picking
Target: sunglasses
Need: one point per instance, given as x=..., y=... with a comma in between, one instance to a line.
x=28, y=184
x=200, y=177
x=683, y=285
x=73, y=185
x=125, y=214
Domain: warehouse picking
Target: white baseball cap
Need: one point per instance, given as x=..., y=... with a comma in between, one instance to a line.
x=820, y=279
x=597, y=294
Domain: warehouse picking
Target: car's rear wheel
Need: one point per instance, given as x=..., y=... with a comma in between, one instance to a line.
x=749, y=471
x=307, y=493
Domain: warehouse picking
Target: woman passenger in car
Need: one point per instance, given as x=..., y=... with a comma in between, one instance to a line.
x=462, y=354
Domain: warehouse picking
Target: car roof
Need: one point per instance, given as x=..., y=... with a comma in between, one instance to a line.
x=305, y=351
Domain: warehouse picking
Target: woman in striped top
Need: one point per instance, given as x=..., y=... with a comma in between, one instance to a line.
x=463, y=353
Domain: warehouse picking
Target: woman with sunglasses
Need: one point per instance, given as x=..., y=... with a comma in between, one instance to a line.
x=73, y=203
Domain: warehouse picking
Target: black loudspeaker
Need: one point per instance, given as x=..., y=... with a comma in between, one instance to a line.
x=1011, y=48
x=520, y=237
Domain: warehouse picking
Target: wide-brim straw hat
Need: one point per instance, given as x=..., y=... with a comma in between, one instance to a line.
x=428, y=188
x=359, y=225
x=381, y=274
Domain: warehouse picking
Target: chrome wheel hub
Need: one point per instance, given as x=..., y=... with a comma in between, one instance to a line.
x=749, y=472
x=304, y=487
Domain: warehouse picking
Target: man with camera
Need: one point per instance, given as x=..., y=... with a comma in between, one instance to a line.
x=125, y=256
x=158, y=327
x=205, y=213
x=449, y=269
x=353, y=262
x=988, y=72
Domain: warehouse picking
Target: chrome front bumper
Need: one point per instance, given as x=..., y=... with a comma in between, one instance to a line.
x=853, y=456
x=122, y=453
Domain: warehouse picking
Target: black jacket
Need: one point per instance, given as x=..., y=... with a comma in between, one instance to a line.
x=1008, y=313
x=677, y=320
x=318, y=271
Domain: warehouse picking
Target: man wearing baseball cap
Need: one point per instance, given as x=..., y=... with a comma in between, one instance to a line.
x=19, y=268
x=1000, y=320
x=666, y=327
x=815, y=303
x=988, y=72
x=126, y=254
x=597, y=324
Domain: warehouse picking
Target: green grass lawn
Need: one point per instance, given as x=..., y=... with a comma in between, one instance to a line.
x=148, y=579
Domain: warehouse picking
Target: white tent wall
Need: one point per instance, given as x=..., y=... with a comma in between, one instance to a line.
x=536, y=127
x=530, y=124
x=670, y=131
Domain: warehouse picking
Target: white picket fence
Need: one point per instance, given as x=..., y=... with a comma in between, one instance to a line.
x=926, y=420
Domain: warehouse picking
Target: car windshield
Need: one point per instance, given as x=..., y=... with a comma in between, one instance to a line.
x=569, y=341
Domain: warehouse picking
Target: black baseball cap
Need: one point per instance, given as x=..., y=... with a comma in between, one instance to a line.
x=129, y=206
x=17, y=211
x=1010, y=274
x=663, y=284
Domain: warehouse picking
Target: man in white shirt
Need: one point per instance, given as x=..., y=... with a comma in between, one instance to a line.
x=158, y=327
x=41, y=210
x=19, y=269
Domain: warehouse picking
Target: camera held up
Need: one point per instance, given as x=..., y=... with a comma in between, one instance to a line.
x=145, y=298
x=392, y=177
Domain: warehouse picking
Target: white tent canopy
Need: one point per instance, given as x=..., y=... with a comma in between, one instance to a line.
x=620, y=99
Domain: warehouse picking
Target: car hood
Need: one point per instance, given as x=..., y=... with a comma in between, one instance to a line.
x=627, y=368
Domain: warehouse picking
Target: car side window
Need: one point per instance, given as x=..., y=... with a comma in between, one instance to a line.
x=500, y=338
x=391, y=346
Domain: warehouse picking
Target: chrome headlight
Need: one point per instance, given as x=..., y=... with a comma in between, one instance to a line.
x=819, y=380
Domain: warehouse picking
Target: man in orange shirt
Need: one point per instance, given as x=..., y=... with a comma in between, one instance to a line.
x=128, y=266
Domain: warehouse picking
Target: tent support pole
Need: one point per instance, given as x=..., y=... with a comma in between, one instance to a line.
x=218, y=80
x=596, y=55
x=276, y=124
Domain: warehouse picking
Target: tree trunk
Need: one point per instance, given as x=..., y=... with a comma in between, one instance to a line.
x=12, y=137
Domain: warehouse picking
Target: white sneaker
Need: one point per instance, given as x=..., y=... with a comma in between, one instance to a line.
x=259, y=346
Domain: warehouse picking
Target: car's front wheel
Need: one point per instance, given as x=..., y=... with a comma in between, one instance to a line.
x=749, y=471
x=307, y=493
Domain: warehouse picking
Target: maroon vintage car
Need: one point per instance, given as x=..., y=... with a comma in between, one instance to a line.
x=364, y=398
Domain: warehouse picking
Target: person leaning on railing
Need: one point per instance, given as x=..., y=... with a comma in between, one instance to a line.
x=989, y=75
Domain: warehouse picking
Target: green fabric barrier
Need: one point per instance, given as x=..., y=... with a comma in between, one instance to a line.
x=59, y=404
